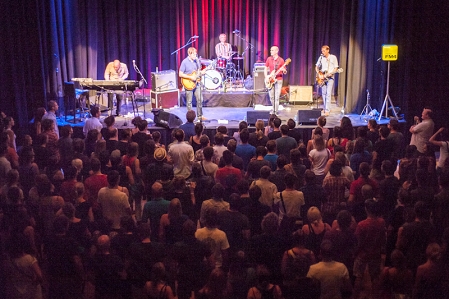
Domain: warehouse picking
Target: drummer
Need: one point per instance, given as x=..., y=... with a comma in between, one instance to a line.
x=223, y=49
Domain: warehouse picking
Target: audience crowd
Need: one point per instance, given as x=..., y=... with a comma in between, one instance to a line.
x=347, y=214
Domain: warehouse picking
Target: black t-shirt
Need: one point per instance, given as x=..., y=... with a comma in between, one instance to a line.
x=274, y=135
x=384, y=149
x=254, y=167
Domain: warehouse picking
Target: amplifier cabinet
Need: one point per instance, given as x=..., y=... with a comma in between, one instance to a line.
x=165, y=99
x=163, y=80
x=300, y=94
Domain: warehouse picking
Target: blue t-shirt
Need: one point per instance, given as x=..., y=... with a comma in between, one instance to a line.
x=189, y=130
x=246, y=152
x=272, y=159
x=188, y=66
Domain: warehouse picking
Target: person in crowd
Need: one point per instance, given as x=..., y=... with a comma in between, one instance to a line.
x=194, y=140
x=158, y=287
x=347, y=130
x=189, y=127
x=271, y=155
x=228, y=175
x=373, y=131
x=216, y=203
x=52, y=108
x=337, y=139
x=382, y=150
x=190, y=255
x=114, y=203
x=333, y=276
x=398, y=139
x=256, y=164
x=396, y=281
x=48, y=127
x=218, y=147
x=314, y=193
x=264, y=288
x=258, y=138
x=268, y=188
x=214, y=237
x=335, y=186
x=414, y=237
x=311, y=143
x=321, y=122
x=319, y=157
x=217, y=287
x=360, y=155
x=276, y=133
x=370, y=235
x=154, y=209
x=141, y=136
x=285, y=143
x=292, y=132
x=242, y=125
x=277, y=176
x=422, y=130
x=428, y=282
x=93, y=123
x=124, y=139
x=237, y=162
x=37, y=122
x=444, y=147
x=182, y=155
x=315, y=230
x=255, y=210
x=270, y=126
x=204, y=141
x=135, y=121
x=245, y=150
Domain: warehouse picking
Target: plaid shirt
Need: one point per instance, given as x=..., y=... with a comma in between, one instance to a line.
x=335, y=191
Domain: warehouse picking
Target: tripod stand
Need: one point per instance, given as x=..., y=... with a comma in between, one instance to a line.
x=387, y=100
x=367, y=109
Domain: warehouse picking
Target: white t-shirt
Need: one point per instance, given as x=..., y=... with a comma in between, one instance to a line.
x=319, y=160
x=216, y=240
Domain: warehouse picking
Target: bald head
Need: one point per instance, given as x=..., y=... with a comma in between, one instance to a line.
x=274, y=50
x=103, y=243
x=156, y=190
x=116, y=64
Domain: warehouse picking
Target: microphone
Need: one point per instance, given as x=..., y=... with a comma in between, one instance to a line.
x=195, y=36
x=134, y=63
x=236, y=31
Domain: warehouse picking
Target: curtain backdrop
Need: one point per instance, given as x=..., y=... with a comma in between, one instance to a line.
x=47, y=42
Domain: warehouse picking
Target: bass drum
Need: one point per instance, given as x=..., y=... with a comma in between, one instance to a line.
x=211, y=79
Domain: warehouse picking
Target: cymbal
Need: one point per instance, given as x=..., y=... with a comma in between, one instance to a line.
x=205, y=61
x=238, y=58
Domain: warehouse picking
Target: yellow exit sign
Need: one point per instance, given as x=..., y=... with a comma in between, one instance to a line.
x=389, y=52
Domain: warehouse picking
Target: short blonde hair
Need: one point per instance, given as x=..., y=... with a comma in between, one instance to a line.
x=191, y=50
x=314, y=215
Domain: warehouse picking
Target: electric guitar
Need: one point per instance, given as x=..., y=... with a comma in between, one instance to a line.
x=323, y=77
x=190, y=84
x=271, y=78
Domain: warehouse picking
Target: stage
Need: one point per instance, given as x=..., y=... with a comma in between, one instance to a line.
x=226, y=109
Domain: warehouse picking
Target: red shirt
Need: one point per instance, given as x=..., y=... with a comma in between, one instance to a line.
x=371, y=237
x=275, y=65
x=223, y=173
x=92, y=185
x=356, y=188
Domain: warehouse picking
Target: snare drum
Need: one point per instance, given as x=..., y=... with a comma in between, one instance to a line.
x=221, y=63
x=211, y=79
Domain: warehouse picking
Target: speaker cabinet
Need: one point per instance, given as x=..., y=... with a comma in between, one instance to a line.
x=253, y=116
x=308, y=117
x=166, y=119
x=163, y=80
x=300, y=94
x=259, y=78
x=165, y=99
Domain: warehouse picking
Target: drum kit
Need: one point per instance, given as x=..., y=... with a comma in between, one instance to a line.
x=222, y=72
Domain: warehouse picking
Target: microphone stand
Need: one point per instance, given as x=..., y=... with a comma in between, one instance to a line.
x=146, y=83
x=249, y=46
x=189, y=42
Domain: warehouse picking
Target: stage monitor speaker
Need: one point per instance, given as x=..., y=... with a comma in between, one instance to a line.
x=253, y=116
x=300, y=94
x=166, y=119
x=259, y=79
x=163, y=80
x=308, y=116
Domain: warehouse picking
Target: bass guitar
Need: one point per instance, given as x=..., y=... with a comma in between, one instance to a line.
x=271, y=78
x=323, y=77
x=190, y=84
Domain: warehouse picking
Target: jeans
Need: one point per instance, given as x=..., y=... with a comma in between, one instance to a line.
x=326, y=93
x=119, y=98
x=198, y=97
x=275, y=93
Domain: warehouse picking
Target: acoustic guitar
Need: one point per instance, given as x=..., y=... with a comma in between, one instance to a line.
x=271, y=78
x=323, y=77
x=190, y=84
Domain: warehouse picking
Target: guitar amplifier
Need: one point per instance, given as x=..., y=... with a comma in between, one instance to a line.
x=300, y=94
x=165, y=99
x=163, y=80
x=259, y=79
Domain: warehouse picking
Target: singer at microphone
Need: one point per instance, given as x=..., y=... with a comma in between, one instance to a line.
x=223, y=50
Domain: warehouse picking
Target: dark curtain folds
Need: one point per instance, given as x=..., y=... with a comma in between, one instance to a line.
x=47, y=42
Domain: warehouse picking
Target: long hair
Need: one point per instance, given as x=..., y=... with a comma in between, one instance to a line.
x=319, y=143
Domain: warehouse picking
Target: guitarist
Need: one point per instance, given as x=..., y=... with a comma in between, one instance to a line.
x=326, y=67
x=272, y=66
x=191, y=69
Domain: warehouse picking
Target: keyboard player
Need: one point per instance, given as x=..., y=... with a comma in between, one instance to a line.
x=115, y=71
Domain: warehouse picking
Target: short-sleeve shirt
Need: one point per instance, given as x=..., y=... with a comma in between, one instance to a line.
x=189, y=66
x=274, y=65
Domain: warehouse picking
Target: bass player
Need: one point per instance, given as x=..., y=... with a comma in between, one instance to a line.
x=274, y=67
x=326, y=67
x=190, y=69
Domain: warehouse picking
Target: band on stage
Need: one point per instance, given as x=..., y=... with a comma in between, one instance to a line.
x=223, y=71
